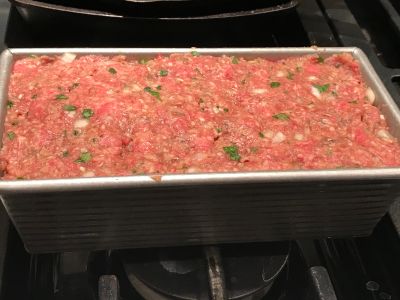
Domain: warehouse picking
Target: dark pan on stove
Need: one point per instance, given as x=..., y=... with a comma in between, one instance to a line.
x=161, y=10
x=97, y=25
x=193, y=8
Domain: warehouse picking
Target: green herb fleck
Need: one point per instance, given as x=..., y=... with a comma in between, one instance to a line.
x=152, y=92
x=33, y=56
x=87, y=113
x=334, y=93
x=299, y=69
x=133, y=171
x=143, y=61
x=84, y=157
x=275, y=84
x=11, y=135
x=163, y=73
x=261, y=135
x=253, y=149
x=61, y=97
x=235, y=60
x=320, y=59
x=10, y=104
x=158, y=87
x=281, y=116
x=75, y=132
x=219, y=130
x=353, y=101
x=201, y=100
x=34, y=96
x=290, y=75
x=94, y=140
x=321, y=88
x=14, y=123
x=20, y=178
x=226, y=109
x=195, y=53
x=232, y=151
x=69, y=107
x=112, y=71
x=65, y=153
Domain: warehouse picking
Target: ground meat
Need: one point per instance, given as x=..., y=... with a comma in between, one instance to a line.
x=100, y=116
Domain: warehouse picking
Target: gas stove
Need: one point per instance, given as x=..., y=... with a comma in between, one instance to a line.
x=349, y=268
x=328, y=269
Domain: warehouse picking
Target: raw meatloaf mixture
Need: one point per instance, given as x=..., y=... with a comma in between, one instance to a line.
x=99, y=116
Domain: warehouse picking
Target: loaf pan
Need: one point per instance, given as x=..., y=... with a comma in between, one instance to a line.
x=196, y=209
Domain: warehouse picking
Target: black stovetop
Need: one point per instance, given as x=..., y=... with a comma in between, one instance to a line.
x=352, y=268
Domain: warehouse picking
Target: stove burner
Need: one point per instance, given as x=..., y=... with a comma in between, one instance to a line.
x=234, y=271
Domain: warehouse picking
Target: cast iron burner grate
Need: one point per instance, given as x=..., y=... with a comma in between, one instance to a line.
x=264, y=271
x=226, y=272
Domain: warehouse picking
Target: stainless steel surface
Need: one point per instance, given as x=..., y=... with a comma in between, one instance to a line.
x=323, y=284
x=216, y=275
x=395, y=214
x=383, y=101
x=108, y=287
x=200, y=208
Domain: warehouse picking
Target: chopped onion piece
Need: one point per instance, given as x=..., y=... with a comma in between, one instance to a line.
x=193, y=170
x=131, y=88
x=200, y=156
x=315, y=92
x=280, y=74
x=269, y=134
x=88, y=174
x=370, y=95
x=312, y=78
x=68, y=57
x=71, y=114
x=278, y=138
x=384, y=134
x=82, y=123
x=299, y=137
x=260, y=91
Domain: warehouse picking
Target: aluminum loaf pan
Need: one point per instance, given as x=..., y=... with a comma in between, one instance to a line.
x=209, y=208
